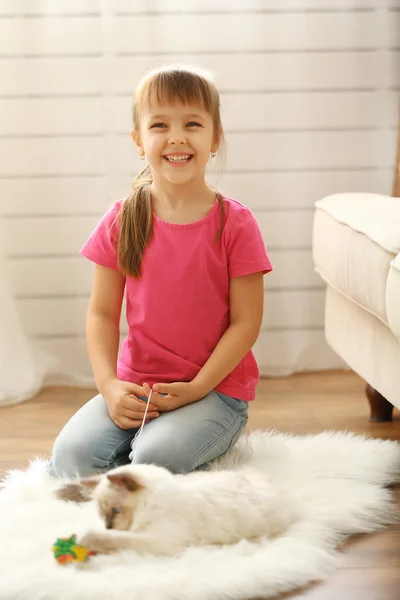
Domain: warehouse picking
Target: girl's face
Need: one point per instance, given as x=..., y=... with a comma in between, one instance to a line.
x=177, y=141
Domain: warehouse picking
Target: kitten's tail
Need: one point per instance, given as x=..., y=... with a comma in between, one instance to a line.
x=75, y=492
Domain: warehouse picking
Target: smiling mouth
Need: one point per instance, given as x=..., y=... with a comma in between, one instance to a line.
x=179, y=159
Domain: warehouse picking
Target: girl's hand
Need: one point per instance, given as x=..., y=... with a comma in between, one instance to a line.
x=126, y=410
x=177, y=395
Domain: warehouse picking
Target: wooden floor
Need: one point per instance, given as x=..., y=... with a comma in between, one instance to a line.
x=306, y=403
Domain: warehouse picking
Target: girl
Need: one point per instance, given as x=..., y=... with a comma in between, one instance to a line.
x=191, y=264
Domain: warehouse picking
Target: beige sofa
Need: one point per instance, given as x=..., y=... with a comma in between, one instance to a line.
x=356, y=248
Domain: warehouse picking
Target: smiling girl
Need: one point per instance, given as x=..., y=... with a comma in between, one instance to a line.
x=191, y=263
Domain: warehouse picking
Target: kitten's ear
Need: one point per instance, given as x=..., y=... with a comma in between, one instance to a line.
x=124, y=480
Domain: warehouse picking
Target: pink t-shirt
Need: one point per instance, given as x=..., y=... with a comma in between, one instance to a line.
x=179, y=309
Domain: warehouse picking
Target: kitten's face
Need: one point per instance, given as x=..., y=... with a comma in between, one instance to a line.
x=116, y=504
x=117, y=494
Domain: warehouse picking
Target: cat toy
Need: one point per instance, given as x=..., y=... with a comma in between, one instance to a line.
x=66, y=550
x=139, y=432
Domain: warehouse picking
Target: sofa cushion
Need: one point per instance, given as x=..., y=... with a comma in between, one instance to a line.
x=393, y=296
x=374, y=215
x=356, y=238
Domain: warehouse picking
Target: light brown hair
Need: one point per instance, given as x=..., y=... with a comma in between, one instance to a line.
x=169, y=85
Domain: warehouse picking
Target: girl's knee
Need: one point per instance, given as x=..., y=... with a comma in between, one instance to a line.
x=67, y=461
x=170, y=459
x=71, y=459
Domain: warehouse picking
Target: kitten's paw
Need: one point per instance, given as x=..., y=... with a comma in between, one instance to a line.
x=100, y=542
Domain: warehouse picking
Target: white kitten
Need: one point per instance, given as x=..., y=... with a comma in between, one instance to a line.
x=148, y=509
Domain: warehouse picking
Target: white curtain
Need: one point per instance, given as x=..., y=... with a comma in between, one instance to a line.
x=22, y=369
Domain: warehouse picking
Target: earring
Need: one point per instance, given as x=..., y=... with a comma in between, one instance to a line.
x=142, y=156
x=213, y=154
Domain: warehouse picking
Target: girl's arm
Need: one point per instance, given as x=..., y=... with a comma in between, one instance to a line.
x=102, y=333
x=102, y=323
x=246, y=313
x=246, y=298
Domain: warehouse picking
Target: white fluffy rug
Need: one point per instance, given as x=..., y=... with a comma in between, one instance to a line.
x=338, y=480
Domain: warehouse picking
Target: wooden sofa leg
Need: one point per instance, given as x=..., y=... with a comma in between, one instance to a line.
x=381, y=409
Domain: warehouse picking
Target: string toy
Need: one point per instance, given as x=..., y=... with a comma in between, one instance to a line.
x=66, y=550
x=139, y=432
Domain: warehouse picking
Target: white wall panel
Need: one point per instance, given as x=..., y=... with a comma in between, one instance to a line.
x=273, y=32
x=300, y=189
x=52, y=155
x=72, y=365
x=42, y=317
x=309, y=93
x=54, y=35
x=243, y=72
x=49, y=276
x=240, y=112
x=67, y=234
x=43, y=8
x=89, y=155
x=293, y=270
x=53, y=76
x=307, y=110
x=51, y=235
x=58, y=276
x=268, y=71
x=262, y=191
x=306, y=350
x=53, y=116
x=66, y=316
x=149, y=6
x=300, y=150
x=303, y=350
x=56, y=195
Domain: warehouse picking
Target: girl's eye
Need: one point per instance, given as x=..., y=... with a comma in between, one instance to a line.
x=193, y=124
x=116, y=510
x=158, y=125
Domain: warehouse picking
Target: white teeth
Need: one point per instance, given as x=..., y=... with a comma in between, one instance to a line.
x=182, y=158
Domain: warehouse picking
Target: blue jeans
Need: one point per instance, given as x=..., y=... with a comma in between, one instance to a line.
x=181, y=440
